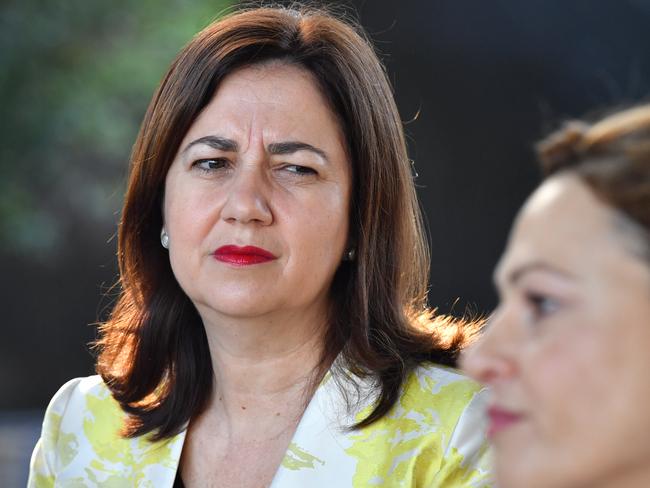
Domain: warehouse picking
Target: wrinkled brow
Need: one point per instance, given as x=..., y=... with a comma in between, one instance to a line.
x=295, y=146
x=216, y=142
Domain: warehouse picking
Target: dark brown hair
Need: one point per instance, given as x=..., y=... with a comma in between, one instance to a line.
x=153, y=350
x=613, y=157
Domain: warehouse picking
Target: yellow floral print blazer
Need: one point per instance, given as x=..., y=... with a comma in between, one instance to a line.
x=433, y=437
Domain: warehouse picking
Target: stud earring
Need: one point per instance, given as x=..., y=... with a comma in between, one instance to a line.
x=350, y=254
x=164, y=238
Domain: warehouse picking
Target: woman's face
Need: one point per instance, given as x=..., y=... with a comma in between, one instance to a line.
x=567, y=352
x=256, y=200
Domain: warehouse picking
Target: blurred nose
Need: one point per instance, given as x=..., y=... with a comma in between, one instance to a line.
x=491, y=359
x=247, y=200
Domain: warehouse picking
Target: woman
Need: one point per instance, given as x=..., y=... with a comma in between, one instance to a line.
x=566, y=351
x=272, y=327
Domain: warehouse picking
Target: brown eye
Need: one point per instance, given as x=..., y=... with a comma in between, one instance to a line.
x=299, y=170
x=209, y=165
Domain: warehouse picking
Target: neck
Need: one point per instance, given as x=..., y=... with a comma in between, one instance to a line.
x=263, y=366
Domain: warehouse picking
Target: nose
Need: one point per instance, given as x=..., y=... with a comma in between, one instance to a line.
x=491, y=359
x=247, y=200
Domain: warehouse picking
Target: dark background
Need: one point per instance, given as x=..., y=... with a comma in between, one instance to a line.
x=477, y=83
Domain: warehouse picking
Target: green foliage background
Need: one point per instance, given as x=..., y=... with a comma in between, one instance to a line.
x=75, y=79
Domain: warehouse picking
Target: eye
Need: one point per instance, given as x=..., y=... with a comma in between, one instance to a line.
x=296, y=169
x=209, y=165
x=542, y=305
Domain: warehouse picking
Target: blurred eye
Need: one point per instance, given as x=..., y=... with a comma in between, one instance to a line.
x=208, y=165
x=542, y=305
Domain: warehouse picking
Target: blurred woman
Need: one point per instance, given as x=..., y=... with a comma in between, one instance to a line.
x=272, y=326
x=566, y=352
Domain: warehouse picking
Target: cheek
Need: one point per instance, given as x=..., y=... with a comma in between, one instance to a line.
x=189, y=214
x=320, y=229
x=565, y=377
x=576, y=382
x=189, y=219
x=558, y=391
x=580, y=387
x=626, y=363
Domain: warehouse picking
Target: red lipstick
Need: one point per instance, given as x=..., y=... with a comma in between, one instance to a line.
x=243, y=255
x=500, y=419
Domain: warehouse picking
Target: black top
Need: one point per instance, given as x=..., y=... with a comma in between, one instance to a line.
x=178, y=482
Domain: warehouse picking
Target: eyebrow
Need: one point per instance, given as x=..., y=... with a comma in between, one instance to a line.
x=216, y=142
x=276, y=148
x=516, y=274
x=290, y=147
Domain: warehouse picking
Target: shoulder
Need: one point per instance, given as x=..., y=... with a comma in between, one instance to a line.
x=80, y=406
x=448, y=400
x=81, y=439
x=440, y=387
x=63, y=436
x=434, y=434
x=456, y=403
x=82, y=394
x=77, y=400
x=459, y=404
x=81, y=414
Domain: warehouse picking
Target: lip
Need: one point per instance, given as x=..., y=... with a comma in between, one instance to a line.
x=243, y=255
x=501, y=419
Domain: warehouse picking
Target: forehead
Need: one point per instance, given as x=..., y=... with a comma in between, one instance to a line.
x=274, y=98
x=270, y=73
x=565, y=225
x=274, y=85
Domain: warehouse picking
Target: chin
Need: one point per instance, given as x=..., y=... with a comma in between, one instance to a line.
x=236, y=304
x=240, y=309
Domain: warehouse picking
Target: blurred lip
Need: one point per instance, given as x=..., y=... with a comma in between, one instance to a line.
x=501, y=419
x=243, y=255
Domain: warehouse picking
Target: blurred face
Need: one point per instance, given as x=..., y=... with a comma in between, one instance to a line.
x=566, y=353
x=256, y=200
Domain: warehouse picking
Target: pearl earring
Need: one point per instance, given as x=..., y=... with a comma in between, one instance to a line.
x=164, y=238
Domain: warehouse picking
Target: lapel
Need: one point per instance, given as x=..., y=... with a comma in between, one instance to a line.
x=316, y=454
